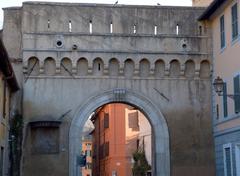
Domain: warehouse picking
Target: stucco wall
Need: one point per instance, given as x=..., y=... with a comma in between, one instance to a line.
x=227, y=138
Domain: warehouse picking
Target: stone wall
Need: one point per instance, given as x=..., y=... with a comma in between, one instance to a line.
x=71, y=52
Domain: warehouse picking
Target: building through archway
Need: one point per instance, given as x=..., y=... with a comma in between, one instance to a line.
x=116, y=140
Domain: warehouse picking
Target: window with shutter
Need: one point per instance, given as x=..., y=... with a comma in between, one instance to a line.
x=234, y=22
x=222, y=31
x=106, y=120
x=133, y=121
x=237, y=93
x=106, y=149
x=225, y=105
x=227, y=160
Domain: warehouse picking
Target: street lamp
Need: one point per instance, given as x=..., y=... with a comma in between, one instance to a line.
x=218, y=85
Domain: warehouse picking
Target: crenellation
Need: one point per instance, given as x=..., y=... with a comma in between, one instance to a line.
x=124, y=19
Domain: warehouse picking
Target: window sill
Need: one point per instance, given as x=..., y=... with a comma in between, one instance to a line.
x=235, y=40
x=222, y=49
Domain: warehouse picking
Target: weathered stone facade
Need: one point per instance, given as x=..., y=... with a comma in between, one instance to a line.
x=79, y=57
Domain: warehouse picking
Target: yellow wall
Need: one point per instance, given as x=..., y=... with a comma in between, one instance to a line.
x=226, y=60
x=4, y=117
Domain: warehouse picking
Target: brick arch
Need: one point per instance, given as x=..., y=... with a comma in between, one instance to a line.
x=161, y=158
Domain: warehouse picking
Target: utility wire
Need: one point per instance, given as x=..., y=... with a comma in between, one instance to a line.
x=67, y=70
x=31, y=70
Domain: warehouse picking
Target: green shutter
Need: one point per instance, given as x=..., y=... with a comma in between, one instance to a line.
x=234, y=21
x=237, y=93
x=222, y=31
x=225, y=106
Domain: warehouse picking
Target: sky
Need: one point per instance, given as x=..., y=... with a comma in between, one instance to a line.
x=10, y=3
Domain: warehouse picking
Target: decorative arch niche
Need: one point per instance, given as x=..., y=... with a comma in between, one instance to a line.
x=174, y=68
x=128, y=68
x=82, y=67
x=33, y=66
x=144, y=68
x=113, y=67
x=49, y=66
x=159, y=68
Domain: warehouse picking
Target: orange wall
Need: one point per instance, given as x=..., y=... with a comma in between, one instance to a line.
x=115, y=135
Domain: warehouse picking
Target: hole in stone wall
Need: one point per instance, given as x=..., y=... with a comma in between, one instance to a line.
x=111, y=27
x=184, y=46
x=90, y=26
x=134, y=29
x=155, y=30
x=59, y=43
x=70, y=26
x=200, y=30
x=48, y=24
x=99, y=67
x=177, y=29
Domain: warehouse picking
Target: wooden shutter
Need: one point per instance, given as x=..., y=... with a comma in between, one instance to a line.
x=228, y=164
x=133, y=121
x=106, y=149
x=106, y=120
x=237, y=93
x=225, y=106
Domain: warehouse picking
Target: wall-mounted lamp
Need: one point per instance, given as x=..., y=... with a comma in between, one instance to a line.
x=218, y=85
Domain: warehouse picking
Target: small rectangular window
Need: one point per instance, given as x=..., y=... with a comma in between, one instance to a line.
x=90, y=26
x=234, y=21
x=227, y=158
x=222, y=31
x=155, y=30
x=134, y=29
x=48, y=24
x=111, y=27
x=177, y=29
x=69, y=26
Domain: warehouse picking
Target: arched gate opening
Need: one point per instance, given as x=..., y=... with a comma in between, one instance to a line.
x=160, y=144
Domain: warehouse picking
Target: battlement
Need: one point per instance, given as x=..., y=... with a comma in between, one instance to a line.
x=105, y=18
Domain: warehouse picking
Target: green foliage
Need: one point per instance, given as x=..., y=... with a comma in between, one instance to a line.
x=141, y=165
x=16, y=130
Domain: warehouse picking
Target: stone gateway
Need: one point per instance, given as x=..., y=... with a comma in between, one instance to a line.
x=70, y=59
